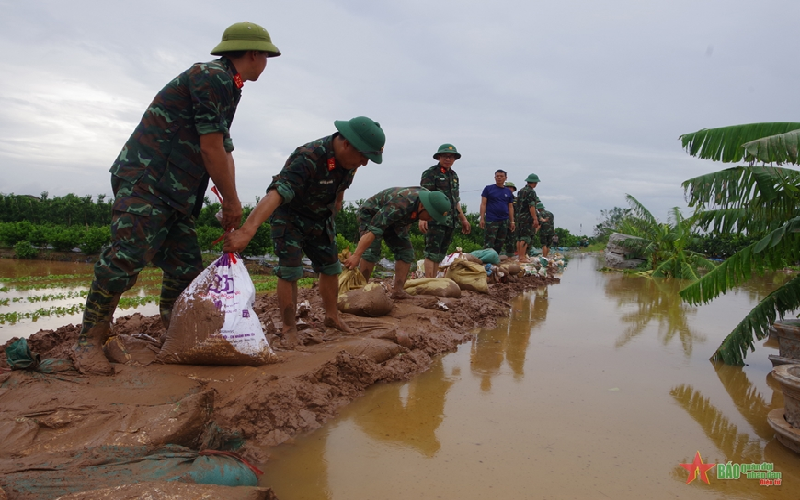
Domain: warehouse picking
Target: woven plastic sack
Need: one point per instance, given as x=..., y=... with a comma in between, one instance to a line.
x=213, y=321
x=487, y=256
x=468, y=275
x=438, y=287
x=351, y=279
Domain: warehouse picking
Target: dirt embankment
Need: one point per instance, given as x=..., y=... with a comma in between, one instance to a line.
x=54, y=418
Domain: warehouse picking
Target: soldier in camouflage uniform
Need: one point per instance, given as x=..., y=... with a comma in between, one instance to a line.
x=160, y=178
x=547, y=231
x=438, y=236
x=510, y=244
x=527, y=218
x=301, y=205
x=497, y=212
x=386, y=217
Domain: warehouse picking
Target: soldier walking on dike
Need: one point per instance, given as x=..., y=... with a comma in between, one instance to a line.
x=438, y=236
x=527, y=218
x=547, y=231
x=510, y=244
x=497, y=212
x=387, y=216
x=159, y=181
x=301, y=204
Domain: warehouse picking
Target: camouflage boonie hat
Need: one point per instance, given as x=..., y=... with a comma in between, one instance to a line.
x=447, y=148
x=511, y=185
x=365, y=135
x=532, y=178
x=540, y=205
x=436, y=203
x=246, y=36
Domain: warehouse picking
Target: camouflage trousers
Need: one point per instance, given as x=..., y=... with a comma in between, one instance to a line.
x=525, y=230
x=437, y=241
x=546, y=237
x=510, y=245
x=398, y=241
x=293, y=235
x=495, y=234
x=143, y=232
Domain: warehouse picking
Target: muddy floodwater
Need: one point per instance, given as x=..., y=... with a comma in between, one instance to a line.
x=50, y=294
x=597, y=387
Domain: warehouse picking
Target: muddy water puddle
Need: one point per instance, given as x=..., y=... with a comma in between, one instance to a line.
x=41, y=294
x=598, y=387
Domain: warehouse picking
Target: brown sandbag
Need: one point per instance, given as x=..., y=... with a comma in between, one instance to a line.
x=468, y=275
x=514, y=269
x=371, y=300
x=438, y=287
x=351, y=279
x=172, y=490
x=128, y=350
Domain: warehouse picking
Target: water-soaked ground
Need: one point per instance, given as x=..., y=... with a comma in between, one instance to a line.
x=599, y=387
x=54, y=289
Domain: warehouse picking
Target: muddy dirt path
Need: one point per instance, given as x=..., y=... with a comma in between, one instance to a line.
x=61, y=419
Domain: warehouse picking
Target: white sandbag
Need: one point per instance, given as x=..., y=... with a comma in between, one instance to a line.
x=213, y=321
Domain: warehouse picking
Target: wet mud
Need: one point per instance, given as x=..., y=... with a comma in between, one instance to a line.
x=59, y=421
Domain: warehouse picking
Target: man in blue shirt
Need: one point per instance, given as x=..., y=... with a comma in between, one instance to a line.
x=497, y=212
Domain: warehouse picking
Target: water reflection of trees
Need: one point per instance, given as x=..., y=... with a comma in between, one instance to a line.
x=735, y=446
x=653, y=299
x=411, y=420
x=509, y=341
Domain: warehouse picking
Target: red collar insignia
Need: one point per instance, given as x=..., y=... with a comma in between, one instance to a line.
x=237, y=80
x=444, y=170
x=331, y=164
x=414, y=215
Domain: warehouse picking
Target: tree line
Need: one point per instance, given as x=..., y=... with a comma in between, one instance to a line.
x=67, y=222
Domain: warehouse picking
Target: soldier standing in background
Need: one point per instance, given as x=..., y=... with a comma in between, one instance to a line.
x=159, y=181
x=547, y=232
x=301, y=203
x=386, y=217
x=510, y=244
x=527, y=218
x=438, y=236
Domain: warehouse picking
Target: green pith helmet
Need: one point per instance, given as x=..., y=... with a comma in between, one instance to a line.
x=246, y=36
x=436, y=203
x=532, y=178
x=511, y=185
x=365, y=135
x=447, y=148
x=540, y=205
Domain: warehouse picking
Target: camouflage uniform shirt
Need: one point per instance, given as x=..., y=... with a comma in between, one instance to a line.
x=397, y=206
x=437, y=178
x=548, y=226
x=526, y=198
x=162, y=158
x=311, y=180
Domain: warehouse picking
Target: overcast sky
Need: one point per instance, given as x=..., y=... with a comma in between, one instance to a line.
x=591, y=96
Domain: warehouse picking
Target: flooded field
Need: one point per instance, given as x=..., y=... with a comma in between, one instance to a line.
x=42, y=294
x=598, y=387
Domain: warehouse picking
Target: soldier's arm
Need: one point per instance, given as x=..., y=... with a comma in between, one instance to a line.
x=483, y=212
x=236, y=241
x=511, y=215
x=428, y=181
x=363, y=243
x=219, y=165
x=339, y=201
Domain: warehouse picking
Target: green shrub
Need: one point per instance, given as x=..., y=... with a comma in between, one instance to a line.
x=24, y=250
x=342, y=243
x=94, y=238
x=206, y=235
x=64, y=239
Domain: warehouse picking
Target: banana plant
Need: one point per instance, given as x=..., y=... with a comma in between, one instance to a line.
x=760, y=198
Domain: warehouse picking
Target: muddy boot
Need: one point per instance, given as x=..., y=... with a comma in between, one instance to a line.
x=171, y=289
x=88, y=356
